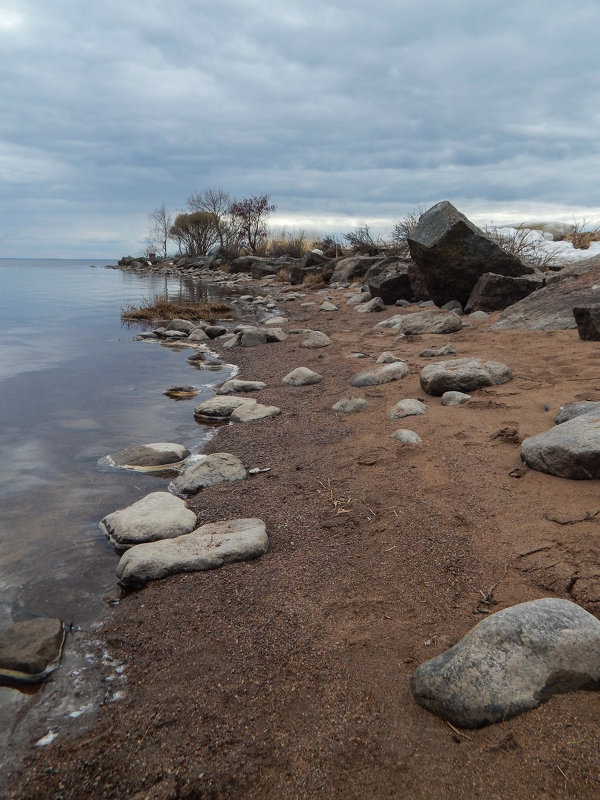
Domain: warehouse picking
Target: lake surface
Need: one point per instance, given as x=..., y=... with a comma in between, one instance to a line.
x=74, y=387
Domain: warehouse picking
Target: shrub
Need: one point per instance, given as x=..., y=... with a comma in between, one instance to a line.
x=520, y=242
x=287, y=244
x=161, y=307
x=581, y=238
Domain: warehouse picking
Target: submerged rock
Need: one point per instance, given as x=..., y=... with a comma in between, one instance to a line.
x=159, y=515
x=511, y=662
x=30, y=650
x=208, y=547
x=149, y=457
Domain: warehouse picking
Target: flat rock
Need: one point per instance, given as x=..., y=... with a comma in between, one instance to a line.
x=328, y=306
x=219, y=407
x=426, y=321
x=358, y=299
x=181, y=392
x=409, y=407
x=511, y=662
x=406, y=437
x=251, y=411
x=455, y=398
x=208, y=547
x=302, y=376
x=463, y=375
x=375, y=304
x=497, y=292
x=237, y=385
x=569, y=450
x=349, y=404
x=448, y=350
x=572, y=410
x=148, y=457
x=198, y=335
x=379, y=375
x=159, y=515
x=315, y=339
x=388, y=358
x=208, y=470
x=30, y=650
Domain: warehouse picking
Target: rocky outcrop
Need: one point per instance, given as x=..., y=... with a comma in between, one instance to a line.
x=302, y=376
x=463, y=375
x=208, y=547
x=511, y=662
x=497, y=292
x=452, y=254
x=352, y=267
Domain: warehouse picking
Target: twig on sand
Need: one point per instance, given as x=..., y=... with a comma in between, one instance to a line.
x=457, y=732
x=141, y=741
x=483, y=605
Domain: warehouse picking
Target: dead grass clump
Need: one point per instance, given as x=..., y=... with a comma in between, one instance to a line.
x=581, y=238
x=283, y=276
x=161, y=307
x=314, y=281
x=520, y=243
x=287, y=244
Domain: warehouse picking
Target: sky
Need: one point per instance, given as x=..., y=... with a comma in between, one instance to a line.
x=345, y=113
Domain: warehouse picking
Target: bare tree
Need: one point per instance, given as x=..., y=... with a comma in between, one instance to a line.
x=159, y=223
x=217, y=202
x=361, y=241
x=250, y=215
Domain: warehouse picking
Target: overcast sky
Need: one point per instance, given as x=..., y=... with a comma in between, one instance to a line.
x=345, y=112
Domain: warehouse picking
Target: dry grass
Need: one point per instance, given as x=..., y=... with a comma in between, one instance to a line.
x=581, y=238
x=314, y=281
x=161, y=307
x=520, y=244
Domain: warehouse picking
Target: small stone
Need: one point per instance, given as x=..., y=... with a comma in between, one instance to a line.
x=328, y=306
x=407, y=408
x=479, y=315
x=376, y=304
x=388, y=358
x=358, y=299
x=181, y=392
x=406, y=437
x=208, y=470
x=448, y=350
x=251, y=411
x=572, y=410
x=349, y=404
x=569, y=450
x=455, y=398
x=302, y=376
x=159, y=515
x=463, y=375
x=383, y=374
x=315, y=339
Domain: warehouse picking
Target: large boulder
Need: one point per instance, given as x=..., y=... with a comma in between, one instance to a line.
x=497, y=292
x=159, y=515
x=452, y=253
x=208, y=547
x=588, y=322
x=209, y=470
x=462, y=375
x=511, y=662
x=390, y=281
x=30, y=650
x=569, y=450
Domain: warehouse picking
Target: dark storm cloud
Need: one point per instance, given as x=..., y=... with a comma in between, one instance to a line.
x=338, y=110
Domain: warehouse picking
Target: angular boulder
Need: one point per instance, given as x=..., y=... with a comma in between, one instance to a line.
x=159, y=515
x=208, y=470
x=452, y=254
x=511, y=662
x=30, y=650
x=497, y=292
x=463, y=375
x=351, y=267
x=588, y=322
x=208, y=547
x=373, y=305
x=390, y=281
x=569, y=450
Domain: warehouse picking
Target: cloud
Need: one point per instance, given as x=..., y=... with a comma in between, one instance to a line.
x=339, y=111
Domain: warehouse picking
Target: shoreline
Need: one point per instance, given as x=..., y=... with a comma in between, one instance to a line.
x=288, y=676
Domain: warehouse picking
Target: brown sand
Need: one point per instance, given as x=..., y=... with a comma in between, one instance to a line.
x=288, y=677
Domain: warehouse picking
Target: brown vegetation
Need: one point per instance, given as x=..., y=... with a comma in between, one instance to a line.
x=161, y=307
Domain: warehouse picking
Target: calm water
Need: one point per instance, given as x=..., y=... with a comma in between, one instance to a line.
x=74, y=387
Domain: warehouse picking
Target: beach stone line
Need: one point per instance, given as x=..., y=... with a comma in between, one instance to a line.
x=208, y=547
x=463, y=375
x=569, y=450
x=148, y=457
x=407, y=408
x=373, y=305
x=511, y=662
x=237, y=385
x=315, y=339
x=30, y=650
x=406, y=437
x=448, y=350
x=572, y=410
x=302, y=376
x=349, y=404
x=455, y=398
x=159, y=515
x=379, y=375
x=208, y=470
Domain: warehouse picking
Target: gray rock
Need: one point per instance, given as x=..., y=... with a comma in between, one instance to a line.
x=572, y=410
x=376, y=304
x=208, y=547
x=208, y=470
x=302, y=376
x=219, y=407
x=588, y=322
x=406, y=437
x=183, y=325
x=214, y=331
x=463, y=375
x=452, y=254
x=30, y=650
x=407, y=408
x=352, y=267
x=427, y=321
x=497, y=292
x=358, y=299
x=276, y=335
x=251, y=411
x=455, y=398
x=148, y=457
x=403, y=303
x=453, y=305
x=390, y=281
x=327, y=306
x=237, y=385
x=448, y=350
x=199, y=357
x=479, y=315
x=159, y=515
x=349, y=404
x=569, y=450
x=511, y=662
x=384, y=374
x=315, y=339
x=174, y=335
x=252, y=337
x=387, y=358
